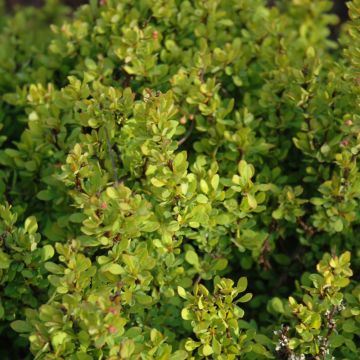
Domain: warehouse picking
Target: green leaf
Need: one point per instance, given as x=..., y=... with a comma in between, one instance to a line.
x=179, y=355
x=185, y=314
x=204, y=186
x=127, y=348
x=114, y=269
x=202, y=199
x=192, y=258
x=5, y=260
x=191, y=345
x=180, y=163
x=47, y=252
x=316, y=321
x=31, y=225
x=245, y=170
x=90, y=64
x=54, y=268
x=252, y=201
x=207, y=350
x=144, y=299
x=112, y=193
x=215, y=181
x=216, y=346
x=338, y=225
x=242, y=284
x=150, y=226
x=45, y=195
x=181, y=291
x=261, y=350
x=277, y=305
x=59, y=338
x=277, y=214
x=341, y=282
x=220, y=264
x=345, y=258
x=224, y=219
x=245, y=298
x=21, y=326
x=350, y=326
x=307, y=336
x=157, y=182
x=77, y=218
x=351, y=345
x=336, y=340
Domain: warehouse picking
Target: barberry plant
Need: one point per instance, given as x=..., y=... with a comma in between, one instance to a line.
x=160, y=158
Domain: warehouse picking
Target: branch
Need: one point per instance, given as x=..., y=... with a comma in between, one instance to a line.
x=111, y=154
x=188, y=133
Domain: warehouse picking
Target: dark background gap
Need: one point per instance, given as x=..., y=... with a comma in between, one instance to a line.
x=339, y=8
x=12, y=3
x=339, y=5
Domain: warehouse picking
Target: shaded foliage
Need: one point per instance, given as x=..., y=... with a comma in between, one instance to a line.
x=171, y=175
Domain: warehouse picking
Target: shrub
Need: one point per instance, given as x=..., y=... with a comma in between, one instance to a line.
x=160, y=158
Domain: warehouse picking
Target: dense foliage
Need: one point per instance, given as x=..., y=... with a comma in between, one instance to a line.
x=179, y=180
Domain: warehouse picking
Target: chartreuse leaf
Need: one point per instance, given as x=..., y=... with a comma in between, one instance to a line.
x=5, y=260
x=242, y=284
x=31, y=225
x=47, y=252
x=207, y=350
x=192, y=258
x=153, y=154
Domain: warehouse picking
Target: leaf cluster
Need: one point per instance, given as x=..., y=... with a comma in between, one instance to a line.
x=158, y=158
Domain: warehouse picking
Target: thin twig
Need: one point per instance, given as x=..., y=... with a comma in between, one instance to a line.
x=263, y=258
x=111, y=154
x=197, y=280
x=188, y=133
x=309, y=230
